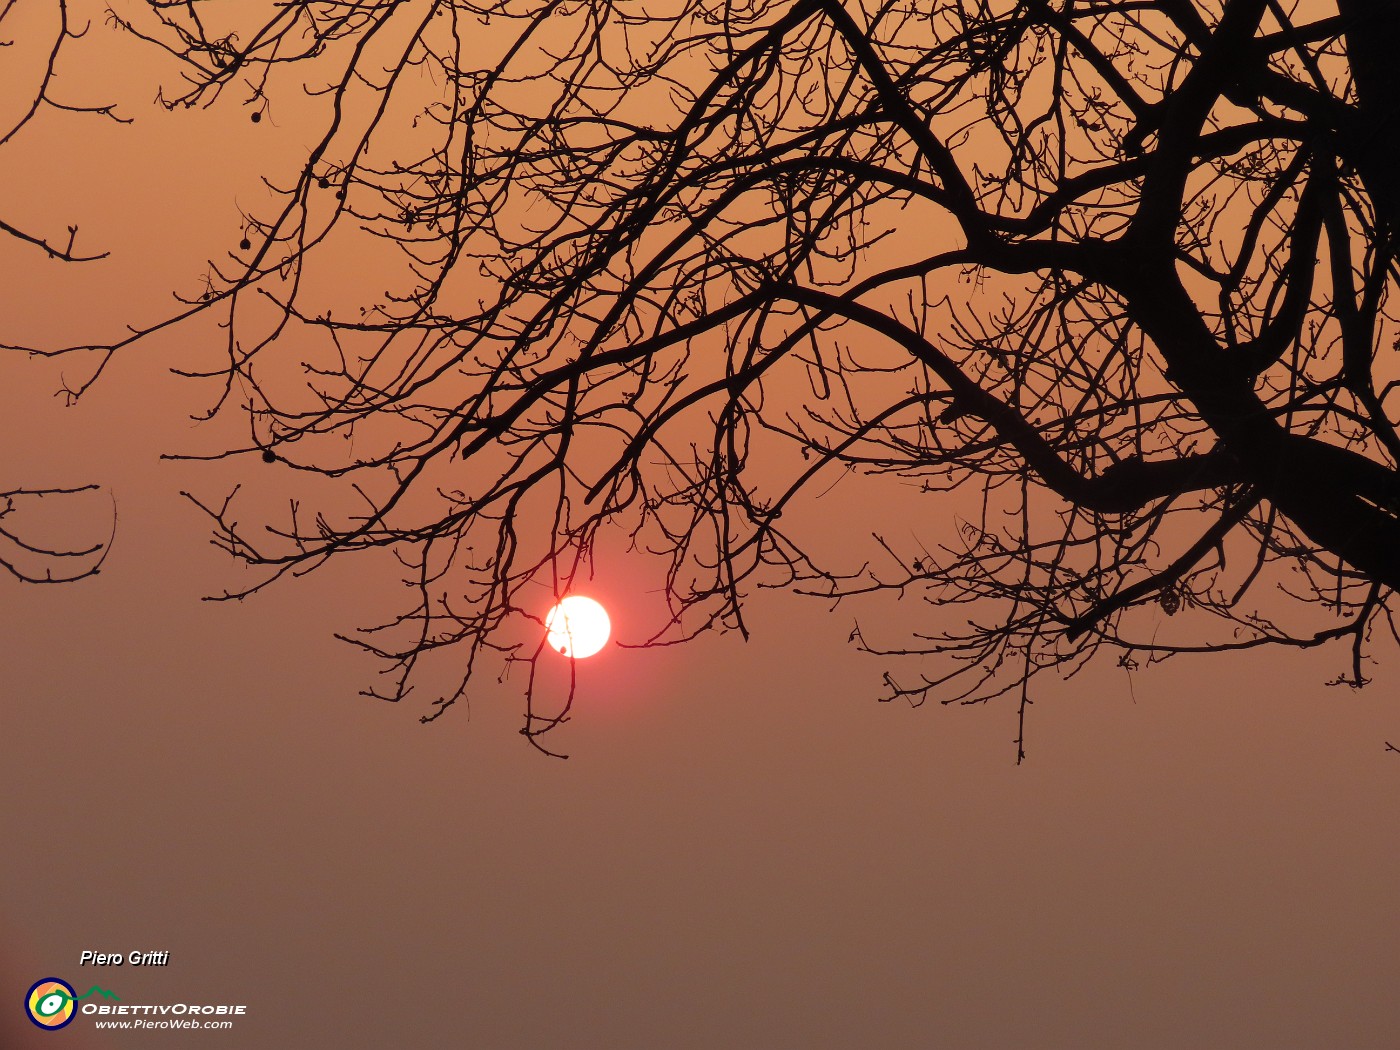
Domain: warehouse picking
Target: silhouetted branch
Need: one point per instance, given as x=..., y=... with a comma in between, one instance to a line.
x=1118, y=276
x=39, y=95
x=30, y=561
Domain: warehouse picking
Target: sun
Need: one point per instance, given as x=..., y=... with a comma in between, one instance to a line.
x=578, y=627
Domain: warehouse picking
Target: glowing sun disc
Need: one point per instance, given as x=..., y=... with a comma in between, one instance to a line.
x=578, y=627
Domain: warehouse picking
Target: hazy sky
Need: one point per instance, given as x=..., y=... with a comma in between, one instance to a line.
x=744, y=848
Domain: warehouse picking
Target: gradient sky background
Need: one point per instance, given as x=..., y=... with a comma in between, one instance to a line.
x=744, y=850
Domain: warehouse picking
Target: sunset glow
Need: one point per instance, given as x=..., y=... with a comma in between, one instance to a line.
x=578, y=627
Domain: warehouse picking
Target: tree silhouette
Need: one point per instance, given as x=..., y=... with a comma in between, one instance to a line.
x=22, y=555
x=1109, y=281
x=40, y=50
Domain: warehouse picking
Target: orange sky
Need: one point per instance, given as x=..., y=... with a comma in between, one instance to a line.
x=744, y=850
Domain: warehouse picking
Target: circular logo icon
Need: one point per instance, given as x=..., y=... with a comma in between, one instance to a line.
x=50, y=1003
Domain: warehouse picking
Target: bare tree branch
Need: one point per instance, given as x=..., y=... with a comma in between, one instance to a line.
x=1117, y=275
